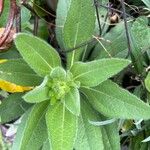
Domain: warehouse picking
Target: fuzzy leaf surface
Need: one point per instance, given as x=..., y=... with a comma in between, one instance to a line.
x=61, y=127
x=112, y=101
x=72, y=101
x=95, y=72
x=75, y=28
x=89, y=136
x=18, y=72
x=12, y=107
x=40, y=56
x=32, y=129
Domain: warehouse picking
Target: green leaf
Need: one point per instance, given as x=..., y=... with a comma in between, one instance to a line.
x=117, y=47
x=32, y=131
x=62, y=10
x=94, y=72
x=112, y=101
x=39, y=94
x=140, y=41
x=37, y=53
x=76, y=28
x=18, y=72
x=111, y=138
x=25, y=17
x=12, y=107
x=46, y=145
x=147, y=82
x=89, y=136
x=62, y=127
x=58, y=73
x=72, y=101
x=136, y=144
x=141, y=32
x=5, y=14
x=147, y=3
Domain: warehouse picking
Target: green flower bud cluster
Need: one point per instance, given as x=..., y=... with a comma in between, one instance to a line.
x=59, y=83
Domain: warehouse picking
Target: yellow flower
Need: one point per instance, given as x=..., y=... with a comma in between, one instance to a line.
x=11, y=87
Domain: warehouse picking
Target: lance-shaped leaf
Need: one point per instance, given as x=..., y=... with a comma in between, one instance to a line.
x=75, y=28
x=32, y=131
x=103, y=137
x=12, y=107
x=37, y=53
x=72, y=101
x=89, y=136
x=112, y=101
x=18, y=72
x=39, y=94
x=111, y=138
x=116, y=48
x=62, y=127
x=93, y=73
x=61, y=15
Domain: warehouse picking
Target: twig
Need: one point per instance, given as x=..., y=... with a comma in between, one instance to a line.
x=126, y=27
x=97, y=15
x=102, y=46
x=36, y=25
x=105, y=20
x=113, y=9
x=18, y=20
x=25, y=4
x=78, y=46
x=10, y=22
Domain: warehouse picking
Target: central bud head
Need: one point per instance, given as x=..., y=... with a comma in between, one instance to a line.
x=58, y=89
x=59, y=83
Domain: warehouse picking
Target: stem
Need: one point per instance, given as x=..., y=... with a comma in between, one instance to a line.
x=18, y=20
x=36, y=25
x=12, y=14
x=98, y=18
x=126, y=26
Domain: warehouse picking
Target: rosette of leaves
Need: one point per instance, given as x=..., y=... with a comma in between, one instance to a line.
x=67, y=99
x=57, y=113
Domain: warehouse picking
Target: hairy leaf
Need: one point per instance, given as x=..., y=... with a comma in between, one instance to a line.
x=37, y=95
x=89, y=136
x=111, y=138
x=72, y=101
x=94, y=72
x=18, y=72
x=62, y=10
x=12, y=107
x=115, y=46
x=62, y=127
x=75, y=27
x=32, y=131
x=111, y=100
x=37, y=53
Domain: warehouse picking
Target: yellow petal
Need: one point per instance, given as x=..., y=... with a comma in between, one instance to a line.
x=12, y=88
